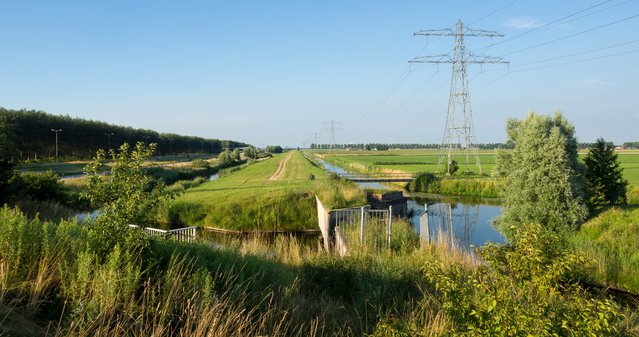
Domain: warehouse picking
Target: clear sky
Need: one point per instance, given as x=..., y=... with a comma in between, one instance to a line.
x=272, y=72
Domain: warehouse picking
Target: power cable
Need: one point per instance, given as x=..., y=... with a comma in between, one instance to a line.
x=574, y=34
x=493, y=12
x=536, y=29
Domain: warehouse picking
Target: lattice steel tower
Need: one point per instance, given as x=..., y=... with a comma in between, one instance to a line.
x=332, y=129
x=459, y=133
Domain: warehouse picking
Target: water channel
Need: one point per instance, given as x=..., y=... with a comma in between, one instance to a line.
x=469, y=221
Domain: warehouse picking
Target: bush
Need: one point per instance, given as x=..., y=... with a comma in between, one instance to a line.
x=200, y=163
x=529, y=288
x=274, y=149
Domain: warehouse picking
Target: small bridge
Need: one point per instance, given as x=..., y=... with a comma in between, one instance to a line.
x=379, y=177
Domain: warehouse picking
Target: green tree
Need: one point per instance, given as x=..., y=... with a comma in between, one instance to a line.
x=7, y=145
x=251, y=152
x=604, y=176
x=225, y=158
x=543, y=177
x=274, y=149
x=126, y=197
x=236, y=155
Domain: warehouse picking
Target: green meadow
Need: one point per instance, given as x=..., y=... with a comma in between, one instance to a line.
x=418, y=161
x=248, y=200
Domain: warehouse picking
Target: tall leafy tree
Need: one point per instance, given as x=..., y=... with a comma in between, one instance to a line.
x=543, y=177
x=251, y=152
x=604, y=176
x=236, y=155
x=7, y=145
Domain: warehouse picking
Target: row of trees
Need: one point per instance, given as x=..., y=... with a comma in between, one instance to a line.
x=407, y=146
x=27, y=135
x=631, y=145
x=410, y=146
x=546, y=184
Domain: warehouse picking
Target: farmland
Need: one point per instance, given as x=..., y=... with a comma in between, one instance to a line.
x=415, y=161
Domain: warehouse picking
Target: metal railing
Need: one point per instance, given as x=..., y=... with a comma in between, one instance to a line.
x=186, y=234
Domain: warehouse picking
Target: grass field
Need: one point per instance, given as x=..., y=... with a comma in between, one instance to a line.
x=248, y=200
x=414, y=161
x=77, y=167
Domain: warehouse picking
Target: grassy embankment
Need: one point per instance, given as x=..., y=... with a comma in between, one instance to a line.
x=52, y=279
x=248, y=200
x=612, y=240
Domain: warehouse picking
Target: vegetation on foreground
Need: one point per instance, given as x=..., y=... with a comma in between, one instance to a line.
x=65, y=280
x=102, y=278
x=248, y=200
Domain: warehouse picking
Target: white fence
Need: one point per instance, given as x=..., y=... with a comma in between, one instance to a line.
x=333, y=222
x=186, y=234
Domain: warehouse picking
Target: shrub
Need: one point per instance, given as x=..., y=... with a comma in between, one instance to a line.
x=200, y=163
x=529, y=288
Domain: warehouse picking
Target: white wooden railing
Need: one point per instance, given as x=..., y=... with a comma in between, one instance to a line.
x=186, y=234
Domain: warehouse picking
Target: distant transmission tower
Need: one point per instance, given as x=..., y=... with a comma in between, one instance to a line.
x=459, y=133
x=332, y=129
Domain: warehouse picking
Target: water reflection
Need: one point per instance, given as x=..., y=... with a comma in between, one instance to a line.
x=466, y=223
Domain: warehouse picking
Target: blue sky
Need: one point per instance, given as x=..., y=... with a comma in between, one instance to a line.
x=272, y=72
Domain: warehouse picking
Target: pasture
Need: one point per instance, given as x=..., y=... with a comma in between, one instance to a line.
x=415, y=161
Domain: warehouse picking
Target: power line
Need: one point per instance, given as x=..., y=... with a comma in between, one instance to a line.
x=539, y=28
x=574, y=34
x=493, y=12
x=576, y=54
x=386, y=96
x=398, y=108
x=578, y=61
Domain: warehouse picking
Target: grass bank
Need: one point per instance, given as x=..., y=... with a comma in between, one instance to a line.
x=54, y=280
x=457, y=186
x=248, y=200
x=612, y=240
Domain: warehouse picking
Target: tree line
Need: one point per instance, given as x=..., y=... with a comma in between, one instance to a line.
x=413, y=146
x=27, y=135
x=407, y=146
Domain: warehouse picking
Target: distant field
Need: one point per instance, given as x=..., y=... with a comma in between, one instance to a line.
x=629, y=160
x=414, y=161
x=77, y=167
x=248, y=200
x=411, y=161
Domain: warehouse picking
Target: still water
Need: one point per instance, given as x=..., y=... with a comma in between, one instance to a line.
x=469, y=221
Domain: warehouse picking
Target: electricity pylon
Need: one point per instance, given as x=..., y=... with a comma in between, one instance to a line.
x=460, y=131
x=332, y=129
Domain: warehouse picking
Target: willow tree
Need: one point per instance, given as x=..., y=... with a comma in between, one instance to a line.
x=544, y=181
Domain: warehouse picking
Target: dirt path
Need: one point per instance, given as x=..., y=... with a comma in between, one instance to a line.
x=280, y=170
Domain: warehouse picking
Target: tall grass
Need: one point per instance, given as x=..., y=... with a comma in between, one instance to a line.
x=53, y=279
x=611, y=239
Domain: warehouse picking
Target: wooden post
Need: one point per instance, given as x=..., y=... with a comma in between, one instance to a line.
x=361, y=225
x=450, y=223
x=389, y=228
x=427, y=223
